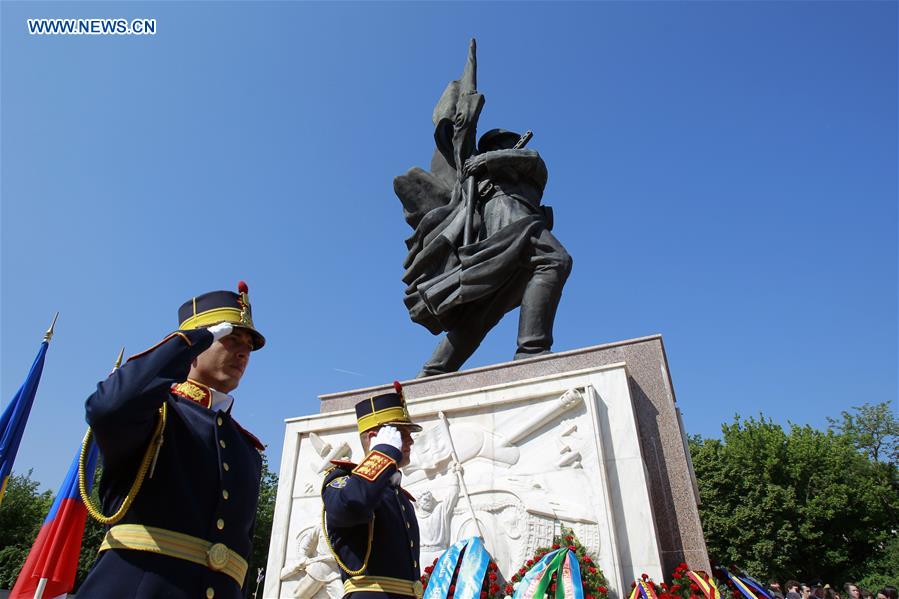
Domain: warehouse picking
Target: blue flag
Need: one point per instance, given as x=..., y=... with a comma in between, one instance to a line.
x=15, y=416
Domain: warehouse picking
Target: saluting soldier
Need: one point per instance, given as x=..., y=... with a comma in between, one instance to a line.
x=165, y=418
x=369, y=518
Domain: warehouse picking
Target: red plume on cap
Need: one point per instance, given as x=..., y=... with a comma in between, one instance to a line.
x=397, y=387
x=242, y=287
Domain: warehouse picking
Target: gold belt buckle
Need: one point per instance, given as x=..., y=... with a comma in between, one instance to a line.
x=217, y=557
x=418, y=588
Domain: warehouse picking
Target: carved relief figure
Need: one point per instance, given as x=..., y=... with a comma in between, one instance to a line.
x=434, y=519
x=315, y=570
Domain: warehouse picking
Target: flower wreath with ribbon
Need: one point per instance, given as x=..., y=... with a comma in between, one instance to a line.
x=575, y=576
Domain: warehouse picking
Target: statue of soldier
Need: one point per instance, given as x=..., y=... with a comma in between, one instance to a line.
x=482, y=243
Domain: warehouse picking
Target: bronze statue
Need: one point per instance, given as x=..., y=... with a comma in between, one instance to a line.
x=482, y=243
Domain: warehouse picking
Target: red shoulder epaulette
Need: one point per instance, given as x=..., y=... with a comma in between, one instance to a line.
x=253, y=439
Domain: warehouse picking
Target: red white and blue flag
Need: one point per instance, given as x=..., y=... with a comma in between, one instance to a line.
x=52, y=562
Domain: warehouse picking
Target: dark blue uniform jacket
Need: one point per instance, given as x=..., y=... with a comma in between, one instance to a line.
x=351, y=501
x=207, y=474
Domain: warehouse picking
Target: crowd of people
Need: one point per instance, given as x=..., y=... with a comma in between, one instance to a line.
x=793, y=589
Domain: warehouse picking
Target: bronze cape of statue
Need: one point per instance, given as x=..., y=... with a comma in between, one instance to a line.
x=482, y=243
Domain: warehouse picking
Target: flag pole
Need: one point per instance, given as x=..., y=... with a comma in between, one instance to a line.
x=49, y=334
x=459, y=475
x=39, y=591
x=42, y=583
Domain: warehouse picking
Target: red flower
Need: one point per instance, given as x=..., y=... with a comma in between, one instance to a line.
x=494, y=588
x=644, y=576
x=552, y=587
x=509, y=589
x=664, y=586
x=633, y=584
x=602, y=589
x=569, y=538
x=589, y=597
x=587, y=559
x=521, y=571
x=483, y=595
x=591, y=570
x=556, y=545
x=736, y=594
x=572, y=548
x=682, y=565
x=529, y=563
x=429, y=569
x=675, y=588
x=452, y=588
x=492, y=576
x=423, y=580
x=693, y=586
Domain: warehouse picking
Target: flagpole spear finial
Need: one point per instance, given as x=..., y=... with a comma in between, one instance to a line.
x=49, y=334
x=118, y=360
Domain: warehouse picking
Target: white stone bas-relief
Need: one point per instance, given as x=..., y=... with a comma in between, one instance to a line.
x=315, y=572
x=514, y=464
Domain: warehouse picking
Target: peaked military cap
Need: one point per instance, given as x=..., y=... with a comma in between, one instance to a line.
x=388, y=408
x=221, y=306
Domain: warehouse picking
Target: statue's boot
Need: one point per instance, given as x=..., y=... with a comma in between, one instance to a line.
x=538, y=312
x=450, y=354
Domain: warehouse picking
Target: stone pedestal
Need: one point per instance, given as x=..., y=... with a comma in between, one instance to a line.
x=588, y=439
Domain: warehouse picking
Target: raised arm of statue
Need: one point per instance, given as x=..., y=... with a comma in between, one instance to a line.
x=452, y=497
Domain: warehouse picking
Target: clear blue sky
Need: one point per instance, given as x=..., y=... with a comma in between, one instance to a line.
x=723, y=173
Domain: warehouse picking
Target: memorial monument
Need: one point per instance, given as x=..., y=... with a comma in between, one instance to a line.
x=590, y=439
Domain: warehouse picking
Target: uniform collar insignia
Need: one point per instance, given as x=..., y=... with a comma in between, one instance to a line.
x=194, y=391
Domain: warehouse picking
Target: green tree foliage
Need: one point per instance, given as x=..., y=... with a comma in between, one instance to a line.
x=797, y=503
x=21, y=514
x=884, y=569
x=873, y=429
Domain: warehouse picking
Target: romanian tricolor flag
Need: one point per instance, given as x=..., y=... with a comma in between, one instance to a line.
x=52, y=562
x=643, y=590
x=708, y=588
x=749, y=587
x=15, y=416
